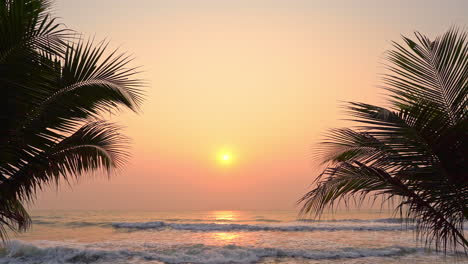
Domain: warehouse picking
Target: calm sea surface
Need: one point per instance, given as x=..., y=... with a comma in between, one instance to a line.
x=217, y=237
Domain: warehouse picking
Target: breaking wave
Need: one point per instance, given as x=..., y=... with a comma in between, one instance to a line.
x=381, y=220
x=39, y=221
x=306, y=225
x=208, y=227
x=19, y=252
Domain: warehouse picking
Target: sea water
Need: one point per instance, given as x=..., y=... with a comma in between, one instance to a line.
x=218, y=237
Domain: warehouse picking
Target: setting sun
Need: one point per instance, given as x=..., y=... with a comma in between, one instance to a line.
x=225, y=157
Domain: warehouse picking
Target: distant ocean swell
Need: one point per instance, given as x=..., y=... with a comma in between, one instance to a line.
x=72, y=223
x=25, y=253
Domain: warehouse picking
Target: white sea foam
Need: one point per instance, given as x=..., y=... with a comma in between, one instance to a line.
x=48, y=221
x=290, y=227
x=26, y=253
x=39, y=221
x=379, y=220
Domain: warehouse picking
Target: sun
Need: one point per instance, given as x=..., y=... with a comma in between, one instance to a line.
x=225, y=157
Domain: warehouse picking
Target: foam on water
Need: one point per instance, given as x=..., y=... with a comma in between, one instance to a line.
x=39, y=221
x=381, y=220
x=231, y=237
x=291, y=227
x=27, y=253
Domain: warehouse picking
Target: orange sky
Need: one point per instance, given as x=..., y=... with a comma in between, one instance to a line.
x=261, y=78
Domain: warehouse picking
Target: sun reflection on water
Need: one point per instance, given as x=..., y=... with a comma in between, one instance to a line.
x=226, y=216
x=225, y=237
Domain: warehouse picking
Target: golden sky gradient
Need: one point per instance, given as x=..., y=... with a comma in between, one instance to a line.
x=261, y=80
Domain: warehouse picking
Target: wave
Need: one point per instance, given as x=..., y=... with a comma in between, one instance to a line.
x=86, y=224
x=44, y=222
x=26, y=253
x=379, y=220
x=72, y=223
x=208, y=227
x=78, y=224
x=218, y=220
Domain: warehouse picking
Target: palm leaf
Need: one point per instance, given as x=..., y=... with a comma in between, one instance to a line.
x=415, y=151
x=434, y=71
x=74, y=96
x=13, y=216
x=55, y=87
x=96, y=145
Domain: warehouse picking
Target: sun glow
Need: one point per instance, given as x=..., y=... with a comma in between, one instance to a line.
x=225, y=157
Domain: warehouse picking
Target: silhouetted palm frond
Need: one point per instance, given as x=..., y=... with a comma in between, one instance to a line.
x=416, y=151
x=96, y=145
x=13, y=216
x=55, y=88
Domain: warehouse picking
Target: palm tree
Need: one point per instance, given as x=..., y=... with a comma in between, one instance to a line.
x=414, y=152
x=55, y=88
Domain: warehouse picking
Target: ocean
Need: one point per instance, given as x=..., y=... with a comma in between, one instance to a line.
x=218, y=237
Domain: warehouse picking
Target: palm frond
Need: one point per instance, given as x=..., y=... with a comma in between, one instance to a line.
x=55, y=86
x=356, y=181
x=339, y=183
x=416, y=150
x=27, y=29
x=13, y=217
x=97, y=145
x=434, y=71
x=86, y=85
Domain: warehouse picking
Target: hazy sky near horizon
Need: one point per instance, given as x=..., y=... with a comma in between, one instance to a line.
x=264, y=79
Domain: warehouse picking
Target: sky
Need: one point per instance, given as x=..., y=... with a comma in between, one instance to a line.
x=260, y=80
